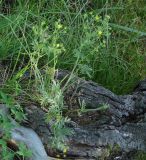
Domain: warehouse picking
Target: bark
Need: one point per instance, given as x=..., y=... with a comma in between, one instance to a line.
x=121, y=125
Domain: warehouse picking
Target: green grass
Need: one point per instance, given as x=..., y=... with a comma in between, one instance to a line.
x=118, y=66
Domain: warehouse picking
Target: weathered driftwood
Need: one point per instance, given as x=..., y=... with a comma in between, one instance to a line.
x=122, y=124
x=26, y=136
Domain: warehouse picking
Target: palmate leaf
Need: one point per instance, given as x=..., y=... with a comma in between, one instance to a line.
x=5, y=98
x=23, y=151
x=6, y=154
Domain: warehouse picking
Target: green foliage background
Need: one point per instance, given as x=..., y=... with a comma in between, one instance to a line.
x=118, y=66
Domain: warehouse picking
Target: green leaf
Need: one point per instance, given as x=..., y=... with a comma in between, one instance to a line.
x=23, y=151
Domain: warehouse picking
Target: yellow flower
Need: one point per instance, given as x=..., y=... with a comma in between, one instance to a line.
x=58, y=156
x=64, y=156
x=59, y=26
x=99, y=33
x=97, y=18
x=57, y=45
x=65, y=150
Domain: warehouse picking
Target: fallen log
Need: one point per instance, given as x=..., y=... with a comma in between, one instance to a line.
x=98, y=130
x=122, y=123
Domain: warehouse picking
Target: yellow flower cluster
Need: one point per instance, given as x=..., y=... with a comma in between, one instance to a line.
x=59, y=26
x=97, y=18
x=64, y=151
x=99, y=33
